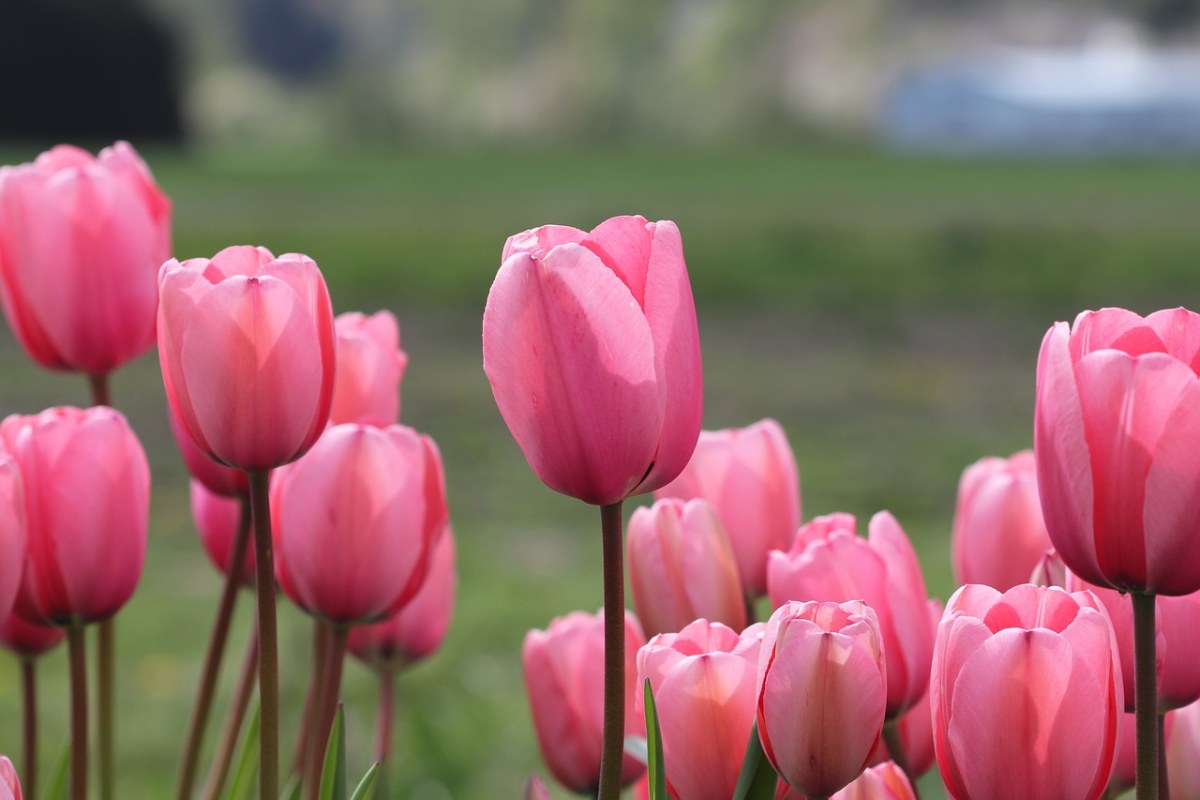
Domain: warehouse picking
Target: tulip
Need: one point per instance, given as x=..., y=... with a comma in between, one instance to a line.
x=28, y=640
x=1025, y=694
x=215, y=477
x=883, y=782
x=370, y=366
x=81, y=239
x=749, y=475
x=565, y=682
x=217, y=519
x=591, y=348
x=912, y=733
x=13, y=536
x=822, y=692
x=703, y=681
x=10, y=787
x=828, y=561
x=681, y=567
x=1183, y=752
x=535, y=789
x=999, y=533
x=247, y=350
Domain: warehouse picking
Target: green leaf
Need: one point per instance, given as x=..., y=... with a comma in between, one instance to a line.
x=244, y=786
x=757, y=780
x=291, y=789
x=366, y=787
x=59, y=777
x=636, y=748
x=654, y=748
x=333, y=774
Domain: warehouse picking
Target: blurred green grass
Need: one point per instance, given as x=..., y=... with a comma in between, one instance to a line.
x=887, y=311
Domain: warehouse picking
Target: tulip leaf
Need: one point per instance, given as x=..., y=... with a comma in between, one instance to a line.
x=243, y=786
x=637, y=749
x=366, y=789
x=757, y=780
x=654, y=749
x=58, y=778
x=333, y=774
x=291, y=789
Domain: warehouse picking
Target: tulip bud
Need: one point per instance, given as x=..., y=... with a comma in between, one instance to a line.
x=13, y=531
x=370, y=366
x=217, y=520
x=28, y=639
x=10, y=787
x=215, y=477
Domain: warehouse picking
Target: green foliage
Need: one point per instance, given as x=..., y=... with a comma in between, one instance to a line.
x=333, y=773
x=655, y=766
x=244, y=784
x=757, y=779
x=60, y=778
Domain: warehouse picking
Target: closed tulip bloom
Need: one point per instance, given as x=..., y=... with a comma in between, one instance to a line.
x=564, y=677
x=1183, y=752
x=822, y=693
x=1026, y=694
x=999, y=533
x=370, y=366
x=883, y=781
x=247, y=350
x=356, y=521
x=27, y=639
x=10, y=787
x=681, y=567
x=1117, y=437
x=749, y=475
x=215, y=477
x=87, y=501
x=81, y=240
x=416, y=631
x=916, y=724
x=703, y=681
x=828, y=561
x=217, y=519
x=592, y=351
x=13, y=534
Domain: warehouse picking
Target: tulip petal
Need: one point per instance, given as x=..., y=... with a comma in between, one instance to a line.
x=1171, y=512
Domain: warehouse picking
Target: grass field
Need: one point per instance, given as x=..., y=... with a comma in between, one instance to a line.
x=886, y=311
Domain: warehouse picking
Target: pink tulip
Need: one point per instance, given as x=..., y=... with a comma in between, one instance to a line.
x=416, y=631
x=26, y=639
x=591, y=347
x=247, y=350
x=1117, y=436
x=749, y=475
x=1124, y=774
x=10, y=787
x=702, y=679
x=81, y=239
x=356, y=521
x=681, y=567
x=822, y=693
x=829, y=562
x=1025, y=693
x=999, y=533
x=87, y=501
x=217, y=519
x=535, y=789
x=1183, y=752
x=915, y=726
x=370, y=366
x=13, y=531
x=564, y=676
x=216, y=477
x=883, y=782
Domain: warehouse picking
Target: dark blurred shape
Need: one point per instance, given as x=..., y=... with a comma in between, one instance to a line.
x=83, y=70
x=298, y=40
x=1167, y=17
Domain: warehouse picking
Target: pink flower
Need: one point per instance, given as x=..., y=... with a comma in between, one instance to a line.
x=749, y=475
x=355, y=521
x=13, y=531
x=829, y=562
x=916, y=724
x=370, y=366
x=1183, y=752
x=1117, y=437
x=999, y=533
x=217, y=519
x=564, y=676
x=247, y=350
x=1025, y=693
x=591, y=347
x=681, y=567
x=416, y=631
x=81, y=239
x=703, y=681
x=27, y=639
x=822, y=692
x=10, y=787
x=215, y=477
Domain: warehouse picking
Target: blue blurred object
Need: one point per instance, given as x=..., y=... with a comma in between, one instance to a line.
x=297, y=40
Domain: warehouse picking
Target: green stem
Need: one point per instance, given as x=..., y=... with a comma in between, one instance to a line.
x=895, y=747
x=332, y=687
x=233, y=720
x=268, y=647
x=751, y=609
x=213, y=657
x=306, y=747
x=611, y=753
x=29, y=726
x=76, y=654
x=1145, y=695
x=106, y=705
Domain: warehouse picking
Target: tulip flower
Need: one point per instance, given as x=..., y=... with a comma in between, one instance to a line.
x=681, y=567
x=81, y=240
x=749, y=475
x=370, y=366
x=703, y=681
x=10, y=787
x=27, y=639
x=912, y=733
x=828, y=561
x=535, y=789
x=217, y=519
x=1025, y=694
x=591, y=348
x=247, y=350
x=215, y=477
x=885, y=781
x=565, y=682
x=13, y=527
x=1183, y=752
x=999, y=533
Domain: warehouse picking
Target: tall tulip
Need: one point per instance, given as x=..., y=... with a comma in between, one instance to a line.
x=681, y=567
x=370, y=366
x=81, y=240
x=750, y=477
x=703, y=680
x=1025, y=693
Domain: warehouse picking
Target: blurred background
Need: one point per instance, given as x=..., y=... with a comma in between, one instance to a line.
x=884, y=206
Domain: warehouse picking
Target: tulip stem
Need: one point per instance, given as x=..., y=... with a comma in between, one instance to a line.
x=611, y=753
x=387, y=703
x=98, y=384
x=268, y=655
x=1145, y=695
x=895, y=748
x=233, y=720
x=332, y=680
x=77, y=655
x=306, y=748
x=105, y=704
x=29, y=726
x=214, y=656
